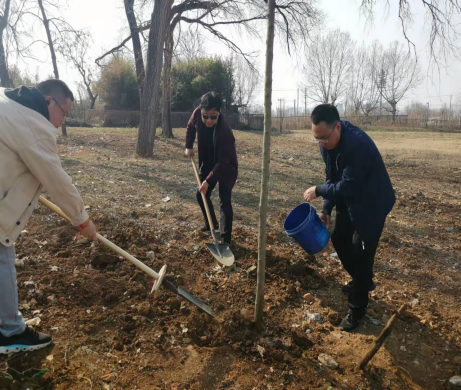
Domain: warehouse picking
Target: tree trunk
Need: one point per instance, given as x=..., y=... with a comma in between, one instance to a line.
x=259, y=306
x=137, y=48
x=46, y=24
x=150, y=96
x=167, y=130
x=4, y=74
x=394, y=111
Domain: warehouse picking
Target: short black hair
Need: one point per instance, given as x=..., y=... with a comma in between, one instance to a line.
x=325, y=113
x=56, y=88
x=211, y=100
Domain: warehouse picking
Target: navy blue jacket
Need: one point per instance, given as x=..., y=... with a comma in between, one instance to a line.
x=365, y=187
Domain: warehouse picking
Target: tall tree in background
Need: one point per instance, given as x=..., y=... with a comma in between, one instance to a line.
x=117, y=86
x=149, y=102
x=246, y=80
x=4, y=17
x=373, y=67
x=327, y=63
x=403, y=74
x=137, y=47
x=76, y=51
x=442, y=16
x=58, y=32
x=357, y=78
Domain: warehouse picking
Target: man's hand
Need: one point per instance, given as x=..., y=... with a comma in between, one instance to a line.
x=204, y=187
x=309, y=195
x=88, y=230
x=189, y=153
x=326, y=219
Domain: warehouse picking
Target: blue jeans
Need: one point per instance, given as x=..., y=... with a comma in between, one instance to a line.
x=11, y=321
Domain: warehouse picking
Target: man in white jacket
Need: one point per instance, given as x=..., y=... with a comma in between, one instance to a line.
x=28, y=163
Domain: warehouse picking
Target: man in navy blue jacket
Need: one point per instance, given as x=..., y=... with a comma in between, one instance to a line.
x=358, y=185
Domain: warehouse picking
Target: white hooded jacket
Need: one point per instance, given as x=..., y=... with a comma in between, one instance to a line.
x=28, y=162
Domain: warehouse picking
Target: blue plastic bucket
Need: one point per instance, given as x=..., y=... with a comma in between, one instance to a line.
x=308, y=230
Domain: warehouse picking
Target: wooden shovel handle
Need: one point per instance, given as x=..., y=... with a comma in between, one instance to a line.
x=105, y=241
x=208, y=214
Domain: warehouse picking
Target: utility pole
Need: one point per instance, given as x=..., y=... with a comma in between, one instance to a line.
x=449, y=117
x=280, y=116
x=305, y=101
x=294, y=107
x=297, y=107
x=427, y=121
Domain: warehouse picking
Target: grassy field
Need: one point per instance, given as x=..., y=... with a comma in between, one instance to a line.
x=111, y=333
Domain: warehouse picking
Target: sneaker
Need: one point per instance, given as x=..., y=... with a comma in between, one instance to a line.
x=29, y=340
x=346, y=289
x=352, y=319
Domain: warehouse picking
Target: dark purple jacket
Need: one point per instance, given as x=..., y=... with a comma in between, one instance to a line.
x=225, y=169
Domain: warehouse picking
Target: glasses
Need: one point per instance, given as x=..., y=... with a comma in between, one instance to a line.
x=63, y=112
x=212, y=117
x=325, y=140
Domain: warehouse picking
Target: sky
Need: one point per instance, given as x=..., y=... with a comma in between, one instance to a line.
x=106, y=21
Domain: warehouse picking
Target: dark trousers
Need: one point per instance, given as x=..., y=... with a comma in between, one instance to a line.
x=227, y=213
x=356, y=256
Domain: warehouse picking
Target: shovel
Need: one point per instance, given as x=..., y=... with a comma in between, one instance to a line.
x=221, y=252
x=159, y=277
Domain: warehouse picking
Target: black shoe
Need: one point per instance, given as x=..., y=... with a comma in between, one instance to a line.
x=226, y=239
x=352, y=319
x=29, y=340
x=346, y=289
x=206, y=229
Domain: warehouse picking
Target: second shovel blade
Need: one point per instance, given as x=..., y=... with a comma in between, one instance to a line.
x=224, y=256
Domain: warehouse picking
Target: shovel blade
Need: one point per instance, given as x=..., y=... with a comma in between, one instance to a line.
x=197, y=302
x=222, y=253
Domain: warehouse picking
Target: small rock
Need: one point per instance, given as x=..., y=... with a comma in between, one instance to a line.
x=118, y=345
x=298, y=284
x=174, y=303
x=19, y=263
x=328, y=361
x=150, y=255
x=301, y=341
x=403, y=348
x=187, y=340
x=414, y=302
x=457, y=360
x=290, y=289
x=34, y=321
x=455, y=382
x=109, y=377
x=64, y=254
x=54, y=269
x=309, y=297
x=261, y=350
x=51, y=298
x=314, y=317
x=416, y=363
x=144, y=309
x=385, y=319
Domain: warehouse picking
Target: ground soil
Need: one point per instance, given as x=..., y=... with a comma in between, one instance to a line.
x=110, y=332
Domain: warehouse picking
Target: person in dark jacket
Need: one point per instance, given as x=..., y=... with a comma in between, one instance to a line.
x=358, y=185
x=217, y=160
